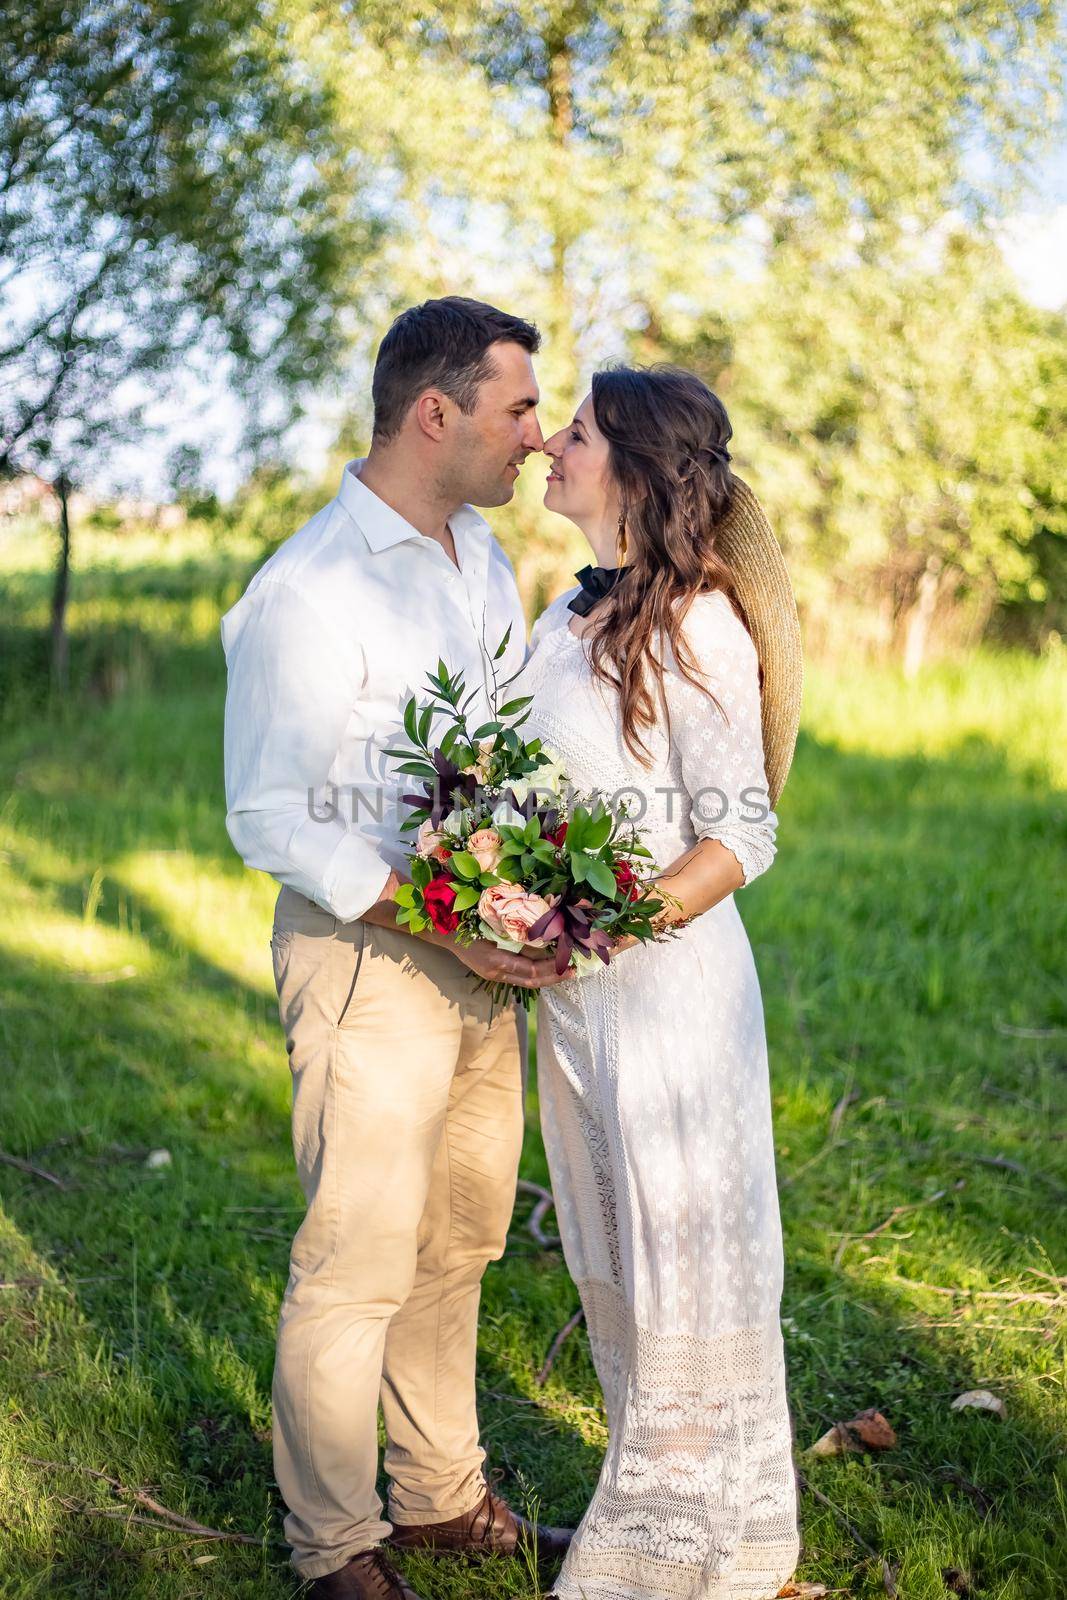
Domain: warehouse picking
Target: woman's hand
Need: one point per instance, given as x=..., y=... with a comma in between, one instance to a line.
x=529, y=968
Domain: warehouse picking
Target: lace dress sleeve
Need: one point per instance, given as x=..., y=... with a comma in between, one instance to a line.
x=722, y=763
x=555, y=615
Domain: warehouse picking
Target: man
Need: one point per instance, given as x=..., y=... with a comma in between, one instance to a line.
x=407, y=1098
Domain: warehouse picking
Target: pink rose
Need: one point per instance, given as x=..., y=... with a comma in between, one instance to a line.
x=431, y=843
x=485, y=845
x=511, y=911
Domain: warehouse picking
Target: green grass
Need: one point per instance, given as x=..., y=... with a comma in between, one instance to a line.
x=910, y=941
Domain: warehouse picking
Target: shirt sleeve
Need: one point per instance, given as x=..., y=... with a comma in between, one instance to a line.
x=292, y=682
x=722, y=759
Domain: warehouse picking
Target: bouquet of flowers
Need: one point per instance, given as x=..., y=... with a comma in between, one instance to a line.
x=505, y=850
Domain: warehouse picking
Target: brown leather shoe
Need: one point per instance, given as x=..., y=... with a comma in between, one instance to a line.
x=367, y=1576
x=492, y=1528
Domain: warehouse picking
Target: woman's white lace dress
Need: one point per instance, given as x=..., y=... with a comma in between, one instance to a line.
x=655, y=1109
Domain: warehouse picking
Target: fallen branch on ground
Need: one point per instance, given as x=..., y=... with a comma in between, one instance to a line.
x=894, y=1216
x=837, y=1116
x=545, y=1204
x=161, y=1516
x=34, y=1172
x=1004, y=1164
x=1039, y=1298
x=888, y=1579
x=555, y=1346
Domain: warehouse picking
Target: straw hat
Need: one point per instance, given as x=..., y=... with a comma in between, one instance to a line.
x=761, y=582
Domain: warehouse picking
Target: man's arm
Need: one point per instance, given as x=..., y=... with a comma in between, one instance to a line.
x=292, y=680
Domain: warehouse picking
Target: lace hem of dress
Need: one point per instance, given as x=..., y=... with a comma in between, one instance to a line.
x=758, y=1574
x=697, y=1497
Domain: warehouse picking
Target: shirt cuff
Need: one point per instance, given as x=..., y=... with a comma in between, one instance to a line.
x=354, y=878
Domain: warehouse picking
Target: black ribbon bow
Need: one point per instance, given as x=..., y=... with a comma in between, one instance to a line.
x=596, y=582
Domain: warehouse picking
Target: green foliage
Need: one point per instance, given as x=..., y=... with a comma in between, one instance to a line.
x=784, y=197
x=170, y=178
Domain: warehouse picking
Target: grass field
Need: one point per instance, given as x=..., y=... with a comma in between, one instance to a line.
x=910, y=940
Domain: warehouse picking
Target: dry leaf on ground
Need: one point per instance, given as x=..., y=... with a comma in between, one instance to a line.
x=868, y=1430
x=980, y=1400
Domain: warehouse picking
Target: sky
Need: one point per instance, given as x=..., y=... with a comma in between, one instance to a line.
x=1033, y=241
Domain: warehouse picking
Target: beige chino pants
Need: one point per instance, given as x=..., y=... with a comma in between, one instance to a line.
x=407, y=1127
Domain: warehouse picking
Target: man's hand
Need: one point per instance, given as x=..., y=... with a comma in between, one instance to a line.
x=507, y=966
x=534, y=971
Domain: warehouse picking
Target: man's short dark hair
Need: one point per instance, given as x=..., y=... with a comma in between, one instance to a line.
x=442, y=344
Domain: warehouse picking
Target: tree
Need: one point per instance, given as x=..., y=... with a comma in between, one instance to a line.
x=905, y=423
x=169, y=191
x=628, y=172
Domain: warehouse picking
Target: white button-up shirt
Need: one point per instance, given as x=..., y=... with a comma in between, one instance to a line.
x=333, y=634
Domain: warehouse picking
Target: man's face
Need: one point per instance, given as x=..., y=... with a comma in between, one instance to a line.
x=489, y=447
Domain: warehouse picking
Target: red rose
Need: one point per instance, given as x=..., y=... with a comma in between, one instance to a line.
x=558, y=835
x=627, y=881
x=438, y=898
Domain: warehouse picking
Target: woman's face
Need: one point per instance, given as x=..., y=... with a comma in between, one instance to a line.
x=580, y=486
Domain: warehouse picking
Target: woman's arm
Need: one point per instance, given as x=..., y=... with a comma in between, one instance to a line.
x=722, y=767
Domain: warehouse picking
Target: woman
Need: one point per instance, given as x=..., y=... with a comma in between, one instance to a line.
x=653, y=1071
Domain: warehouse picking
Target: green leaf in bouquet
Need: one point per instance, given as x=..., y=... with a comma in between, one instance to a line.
x=465, y=864
x=576, y=830
x=514, y=706
x=405, y=895
x=534, y=749
x=424, y=724
x=403, y=918
x=463, y=756
x=600, y=876
x=421, y=872
x=485, y=730
x=529, y=862
x=467, y=896
x=507, y=872
x=545, y=851
x=410, y=723
x=598, y=833
x=502, y=646
x=532, y=830
x=579, y=865
x=415, y=819
x=418, y=769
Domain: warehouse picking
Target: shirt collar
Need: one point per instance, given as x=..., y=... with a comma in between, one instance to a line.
x=383, y=527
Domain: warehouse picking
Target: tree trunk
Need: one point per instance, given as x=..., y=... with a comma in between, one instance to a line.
x=921, y=615
x=60, y=591
x=560, y=86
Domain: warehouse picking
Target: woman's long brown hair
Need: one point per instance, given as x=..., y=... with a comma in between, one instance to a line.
x=667, y=435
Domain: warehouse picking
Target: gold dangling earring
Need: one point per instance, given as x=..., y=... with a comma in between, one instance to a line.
x=620, y=540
